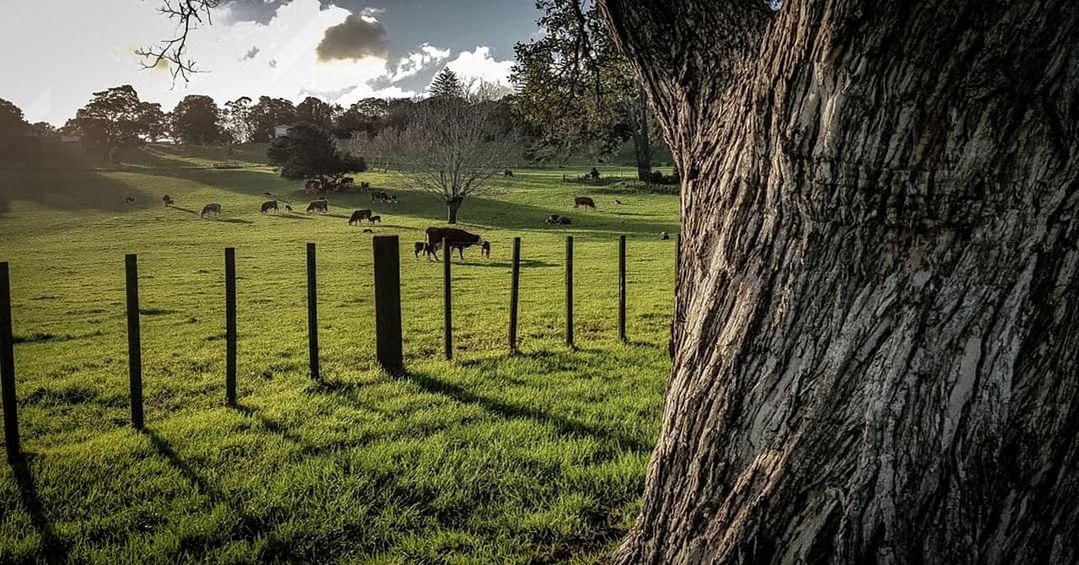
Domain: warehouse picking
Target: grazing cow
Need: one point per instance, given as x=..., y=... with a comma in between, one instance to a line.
x=508, y=173
x=312, y=186
x=579, y=201
x=267, y=206
x=130, y=201
x=320, y=206
x=368, y=230
x=358, y=216
x=555, y=219
x=374, y=220
x=288, y=208
x=664, y=236
x=421, y=247
x=212, y=209
x=455, y=238
x=167, y=201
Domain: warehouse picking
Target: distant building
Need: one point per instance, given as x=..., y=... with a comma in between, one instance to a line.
x=281, y=131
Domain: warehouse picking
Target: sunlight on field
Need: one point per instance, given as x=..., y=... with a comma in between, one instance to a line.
x=489, y=458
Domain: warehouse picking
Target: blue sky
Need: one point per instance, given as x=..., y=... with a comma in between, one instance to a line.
x=340, y=51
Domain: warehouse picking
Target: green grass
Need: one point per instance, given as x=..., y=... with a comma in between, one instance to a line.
x=487, y=458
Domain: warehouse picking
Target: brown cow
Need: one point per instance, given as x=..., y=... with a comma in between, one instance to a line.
x=374, y=220
x=267, y=206
x=359, y=216
x=584, y=201
x=321, y=206
x=212, y=209
x=456, y=239
x=421, y=247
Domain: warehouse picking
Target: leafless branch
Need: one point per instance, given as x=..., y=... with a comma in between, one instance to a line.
x=189, y=14
x=450, y=148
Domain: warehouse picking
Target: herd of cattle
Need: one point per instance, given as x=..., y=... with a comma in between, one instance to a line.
x=456, y=239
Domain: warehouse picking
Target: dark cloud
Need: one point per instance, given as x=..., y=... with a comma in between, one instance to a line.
x=251, y=54
x=261, y=11
x=354, y=38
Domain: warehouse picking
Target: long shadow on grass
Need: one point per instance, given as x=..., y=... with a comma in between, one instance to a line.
x=508, y=411
x=53, y=548
x=274, y=426
x=250, y=528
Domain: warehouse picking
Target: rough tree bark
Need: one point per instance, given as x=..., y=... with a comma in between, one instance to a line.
x=877, y=323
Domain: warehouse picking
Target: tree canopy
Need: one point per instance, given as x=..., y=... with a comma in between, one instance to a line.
x=576, y=89
x=309, y=151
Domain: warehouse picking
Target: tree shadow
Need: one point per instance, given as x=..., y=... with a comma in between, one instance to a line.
x=182, y=209
x=54, y=549
x=508, y=411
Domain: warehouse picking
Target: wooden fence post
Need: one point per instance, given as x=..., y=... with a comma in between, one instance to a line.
x=569, y=290
x=230, y=326
x=312, y=312
x=134, y=340
x=622, y=288
x=447, y=299
x=515, y=289
x=7, y=369
x=388, y=302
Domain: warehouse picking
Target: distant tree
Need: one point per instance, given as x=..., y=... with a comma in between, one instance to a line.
x=44, y=129
x=11, y=119
x=447, y=85
x=153, y=122
x=315, y=112
x=197, y=120
x=449, y=147
x=111, y=119
x=239, y=121
x=269, y=113
x=309, y=151
x=576, y=89
x=366, y=116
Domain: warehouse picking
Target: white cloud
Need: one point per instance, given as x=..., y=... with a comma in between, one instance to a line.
x=479, y=66
x=418, y=61
x=240, y=57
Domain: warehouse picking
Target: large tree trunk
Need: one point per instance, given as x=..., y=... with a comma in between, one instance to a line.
x=642, y=137
x=877, y=323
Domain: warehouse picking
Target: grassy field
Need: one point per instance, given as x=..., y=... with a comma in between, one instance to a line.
x=488, y=458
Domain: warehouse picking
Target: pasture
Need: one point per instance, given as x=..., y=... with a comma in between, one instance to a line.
x=488, y=458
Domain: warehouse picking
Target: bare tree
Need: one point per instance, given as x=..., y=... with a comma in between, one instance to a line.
x=449, y=147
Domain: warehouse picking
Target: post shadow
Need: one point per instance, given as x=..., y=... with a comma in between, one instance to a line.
x=53, y=548
x=508, y=411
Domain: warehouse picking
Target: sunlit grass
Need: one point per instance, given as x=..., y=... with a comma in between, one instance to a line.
x=488, y=458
